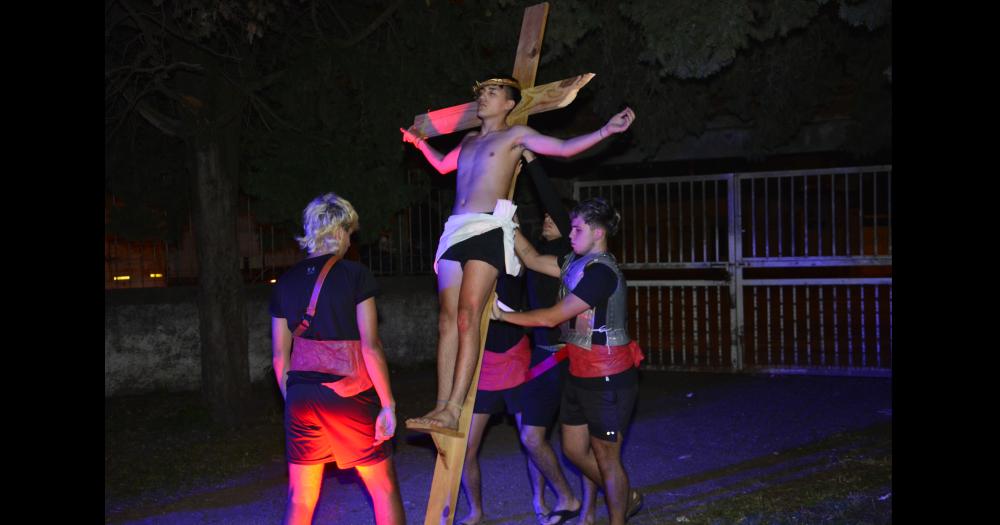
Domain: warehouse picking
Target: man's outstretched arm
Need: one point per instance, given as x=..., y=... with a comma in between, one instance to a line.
x=553, y=147
x=442, y=163
x=544, y=264
x=567, y=308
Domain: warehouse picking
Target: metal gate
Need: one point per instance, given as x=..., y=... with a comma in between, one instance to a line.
x=785, y=272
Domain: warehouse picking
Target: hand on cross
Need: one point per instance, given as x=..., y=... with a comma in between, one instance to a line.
x=411, y=136
x=620, y=122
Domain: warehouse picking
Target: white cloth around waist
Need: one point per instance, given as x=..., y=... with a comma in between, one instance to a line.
x=464, y=226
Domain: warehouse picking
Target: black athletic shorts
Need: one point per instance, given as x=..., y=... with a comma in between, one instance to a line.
x=543, y=394
x=494, y=401
x=486, y=247
x=605, y=412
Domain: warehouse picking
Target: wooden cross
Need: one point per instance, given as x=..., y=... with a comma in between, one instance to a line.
x=451, y=449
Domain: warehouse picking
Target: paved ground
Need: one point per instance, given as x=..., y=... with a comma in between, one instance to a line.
x=695, y=438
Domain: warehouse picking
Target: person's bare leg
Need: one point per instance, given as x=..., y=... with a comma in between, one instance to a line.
x=544, y=458
x=304, y=484
x=576, y=446
x=478, y=278
x=449, y=280
x=380, y=480
x=472, y=480
x=616, y=486
x=589, y=514
x=537, y=481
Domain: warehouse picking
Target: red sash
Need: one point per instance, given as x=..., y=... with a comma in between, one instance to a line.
x=506, y=370
x=342, y=358
x=603, y=360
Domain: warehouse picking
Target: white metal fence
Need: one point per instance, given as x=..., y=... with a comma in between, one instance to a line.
x=780, y=271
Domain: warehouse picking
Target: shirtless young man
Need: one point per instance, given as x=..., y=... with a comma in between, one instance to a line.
x=478, y=239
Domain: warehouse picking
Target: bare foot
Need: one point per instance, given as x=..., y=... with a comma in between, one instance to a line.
x=444, y=418
x=444, y=421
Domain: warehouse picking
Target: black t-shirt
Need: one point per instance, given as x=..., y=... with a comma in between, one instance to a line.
x=595, y=288
x=501, y=336
x=543, y=290
x=347, y=285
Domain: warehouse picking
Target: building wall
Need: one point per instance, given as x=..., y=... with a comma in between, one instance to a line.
x=151, y=337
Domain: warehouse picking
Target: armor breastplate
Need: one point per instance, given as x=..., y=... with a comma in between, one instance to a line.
x=582, y=329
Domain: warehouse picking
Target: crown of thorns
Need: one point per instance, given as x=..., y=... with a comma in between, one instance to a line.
x=495, y=82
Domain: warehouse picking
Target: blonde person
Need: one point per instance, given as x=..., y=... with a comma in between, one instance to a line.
x=331, y=369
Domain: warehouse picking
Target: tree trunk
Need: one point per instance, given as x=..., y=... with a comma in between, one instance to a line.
x=225, y=370
x=210, y=110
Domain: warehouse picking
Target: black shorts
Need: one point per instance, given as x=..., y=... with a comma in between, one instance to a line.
x=543, y=394
x=493, y=401
x=605, y=412
x=321, y=426
x=486, y=247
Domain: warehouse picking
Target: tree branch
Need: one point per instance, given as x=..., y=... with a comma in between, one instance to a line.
x=167, y=125
x=379, y=20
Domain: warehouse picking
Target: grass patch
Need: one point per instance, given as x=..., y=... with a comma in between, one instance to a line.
x=166, y=443
x=854, y=486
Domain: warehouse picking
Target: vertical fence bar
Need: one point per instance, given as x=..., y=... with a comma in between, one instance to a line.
x=822, y=329
x=704, y=223
x=645, y=225
x=768, y=313
x=781, y=321
x=694, y=325
x=878, y=330
x=875, y=178
x=861, y=213
x=889, y=195
x=809, y=332
x=659, y=320
x=791, y=214
x=707, y=322
x=734, y=199
x=805, y=216
x=795, y=326
x=780, y=218
x=767, y=219
x=670, y=228
x=833, y=214
x=756, y=324
x=656, y=205
x=819, y=215
x=836, y=328
x=753, y=217
x=847, y=214
x=864, y=333
x=849, y=311
x=683, y=326
x=635, y=223
x=718, y=223
x=670, y=297
x=718, y=322
x=691, y=217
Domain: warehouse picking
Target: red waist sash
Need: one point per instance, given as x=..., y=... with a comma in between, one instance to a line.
x=506, y=370
x=603, y=360
x=342, y=358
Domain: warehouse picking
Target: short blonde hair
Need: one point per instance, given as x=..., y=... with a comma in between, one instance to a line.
x=321, y=218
